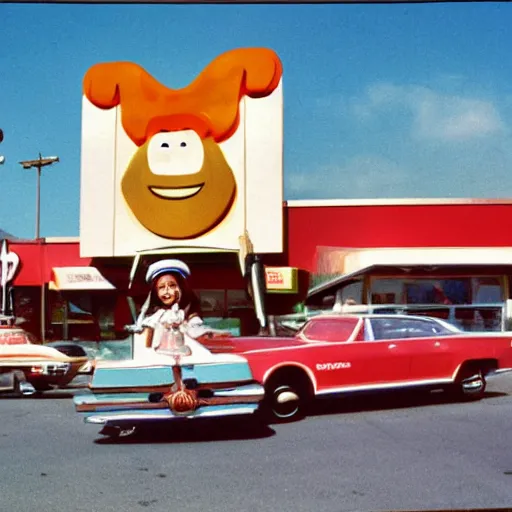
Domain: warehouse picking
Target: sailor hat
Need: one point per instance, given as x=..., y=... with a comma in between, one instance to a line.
x=166, y=266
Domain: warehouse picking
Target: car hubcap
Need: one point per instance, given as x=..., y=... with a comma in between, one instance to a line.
x=473, y=385
x=286, y=402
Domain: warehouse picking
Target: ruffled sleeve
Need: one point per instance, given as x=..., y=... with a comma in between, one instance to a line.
x=152, y=320
x=196, y=327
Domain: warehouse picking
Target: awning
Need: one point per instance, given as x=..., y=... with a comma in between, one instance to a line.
x=352, y=263
x=79, y=278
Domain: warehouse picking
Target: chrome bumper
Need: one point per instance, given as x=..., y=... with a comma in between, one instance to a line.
x=165, y=414
x=242, y=399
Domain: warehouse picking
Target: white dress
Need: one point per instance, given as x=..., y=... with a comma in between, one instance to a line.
x=184, y=350
x=157, y=321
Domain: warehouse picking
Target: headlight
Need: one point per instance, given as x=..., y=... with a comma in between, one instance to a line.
x=86, y=367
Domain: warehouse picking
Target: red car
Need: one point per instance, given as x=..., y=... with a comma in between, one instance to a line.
x=339, y=354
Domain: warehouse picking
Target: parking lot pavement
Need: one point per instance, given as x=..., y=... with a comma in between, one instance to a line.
x=501, y=382
x=79, y=382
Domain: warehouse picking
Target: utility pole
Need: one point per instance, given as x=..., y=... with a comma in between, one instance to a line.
x=38, y=165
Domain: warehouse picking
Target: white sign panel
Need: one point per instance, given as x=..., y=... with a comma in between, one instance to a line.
x=192, y=167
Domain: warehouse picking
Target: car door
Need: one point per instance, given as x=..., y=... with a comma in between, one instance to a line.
x=387, y=353
x=334, y=352
x=423, y=342
x=360, y=362
x=433, y=354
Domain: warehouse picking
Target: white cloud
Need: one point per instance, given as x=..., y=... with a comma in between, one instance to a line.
x=435, y=116
x=407, y=141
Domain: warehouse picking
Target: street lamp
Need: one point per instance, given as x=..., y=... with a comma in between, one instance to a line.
x=39, y=164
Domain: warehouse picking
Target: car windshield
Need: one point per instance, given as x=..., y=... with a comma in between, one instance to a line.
x=392, y=328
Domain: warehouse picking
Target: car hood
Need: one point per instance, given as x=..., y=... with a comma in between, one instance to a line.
x=32, y=352
x=247, y=344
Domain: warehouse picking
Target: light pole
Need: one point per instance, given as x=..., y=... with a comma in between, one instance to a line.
x=39, y=164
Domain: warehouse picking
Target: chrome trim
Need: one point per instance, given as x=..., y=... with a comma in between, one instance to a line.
x=166, y=414
x=384, y=386
x=251, y=390
x=26, y=389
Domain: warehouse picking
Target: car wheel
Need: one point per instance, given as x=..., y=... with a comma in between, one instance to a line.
x=285, y=398
x=472, y=384
x=40, y=387
x=116, y=432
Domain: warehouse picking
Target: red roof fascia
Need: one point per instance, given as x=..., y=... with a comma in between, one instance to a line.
x=37, y=259
x=372, y=226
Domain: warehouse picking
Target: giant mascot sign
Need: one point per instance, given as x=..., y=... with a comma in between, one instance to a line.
x=193, y=167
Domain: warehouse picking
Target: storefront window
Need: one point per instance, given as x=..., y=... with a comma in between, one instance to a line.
x=88, y=316
x=27, y=309
x=487, y=290
x=238, y=299
x=350, y=292
x=213, y=302
x=470, y=303
x=446, y=291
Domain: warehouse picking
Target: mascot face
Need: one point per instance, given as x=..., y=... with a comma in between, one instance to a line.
x=178, y=185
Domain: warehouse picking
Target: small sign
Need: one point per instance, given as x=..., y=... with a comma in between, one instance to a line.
x=281, y=279
x=13, y=338
x=85, y=278
x=79, y=278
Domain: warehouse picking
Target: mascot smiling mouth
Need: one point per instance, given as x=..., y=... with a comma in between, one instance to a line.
x=176, y=192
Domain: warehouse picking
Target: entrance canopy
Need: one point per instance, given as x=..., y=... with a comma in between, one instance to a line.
x=79, y=278
x=351, y=263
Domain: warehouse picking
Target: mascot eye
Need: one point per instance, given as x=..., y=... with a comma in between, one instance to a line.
x=175, y=153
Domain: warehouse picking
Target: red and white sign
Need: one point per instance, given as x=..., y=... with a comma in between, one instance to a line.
x=281, y=279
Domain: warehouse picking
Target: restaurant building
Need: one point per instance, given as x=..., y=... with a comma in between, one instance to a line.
x=443, y=257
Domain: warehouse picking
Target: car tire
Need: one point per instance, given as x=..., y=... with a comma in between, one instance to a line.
x=116, y=432
x=285, y=399
x=40, y=387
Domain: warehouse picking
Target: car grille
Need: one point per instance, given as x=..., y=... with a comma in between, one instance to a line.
x=57, y=369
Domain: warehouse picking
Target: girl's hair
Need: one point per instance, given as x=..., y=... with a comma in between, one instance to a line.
x=188, y=300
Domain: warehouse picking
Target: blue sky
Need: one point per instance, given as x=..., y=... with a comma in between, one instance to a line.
x=404, y=100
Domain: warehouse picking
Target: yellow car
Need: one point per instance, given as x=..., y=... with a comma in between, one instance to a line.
x=43, y=367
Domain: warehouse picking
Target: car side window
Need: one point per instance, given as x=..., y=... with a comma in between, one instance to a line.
x=400, y=328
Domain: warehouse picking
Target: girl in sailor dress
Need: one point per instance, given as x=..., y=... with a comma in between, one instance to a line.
x=171, y=313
